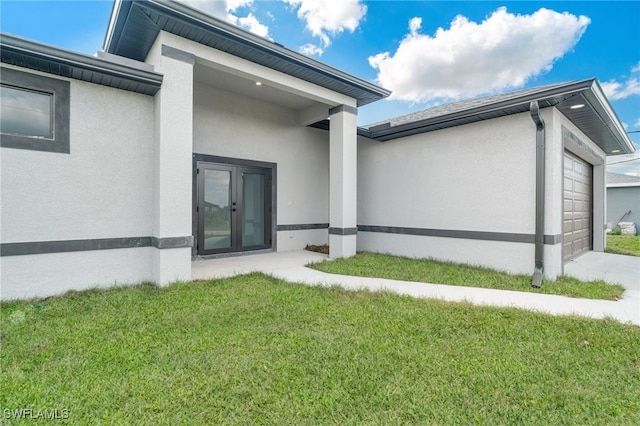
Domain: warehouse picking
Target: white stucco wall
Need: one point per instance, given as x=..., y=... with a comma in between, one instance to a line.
x=465, y=178
x=42, y=275
x=99, y=190
x=477, y=177
x=230, y=125
x=620, y=200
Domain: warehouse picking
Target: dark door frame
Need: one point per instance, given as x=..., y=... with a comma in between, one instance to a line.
x=270, y=202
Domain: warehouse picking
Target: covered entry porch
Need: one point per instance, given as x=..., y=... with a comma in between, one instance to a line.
x=230, y=94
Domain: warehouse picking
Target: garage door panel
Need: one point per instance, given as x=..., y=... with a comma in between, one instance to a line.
x=577, y=221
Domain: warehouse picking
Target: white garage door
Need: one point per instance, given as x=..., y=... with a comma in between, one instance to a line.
x=577, y=206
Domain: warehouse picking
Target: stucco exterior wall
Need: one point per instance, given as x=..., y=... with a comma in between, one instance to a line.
x=619, y=201
x=42, y=275
x=478, y=177
x=100, y=190
x=229, y=125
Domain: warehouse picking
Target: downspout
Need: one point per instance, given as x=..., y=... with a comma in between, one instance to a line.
x=539, y=237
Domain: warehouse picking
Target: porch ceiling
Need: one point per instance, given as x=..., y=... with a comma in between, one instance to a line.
x=135, y=25
x=247, y=87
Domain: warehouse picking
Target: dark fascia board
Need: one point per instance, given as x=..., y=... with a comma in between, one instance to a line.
x=123, y=13
x=38, y=56
x=588, y=89
x=517, y=104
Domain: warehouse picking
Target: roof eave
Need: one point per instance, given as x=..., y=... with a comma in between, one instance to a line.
x=193, y=17
x=611, y=119
x=623, y=185
x=26, y=53
x=589, y=89
x=521, y=103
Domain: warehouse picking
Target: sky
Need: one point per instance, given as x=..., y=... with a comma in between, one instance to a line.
x=426, y=52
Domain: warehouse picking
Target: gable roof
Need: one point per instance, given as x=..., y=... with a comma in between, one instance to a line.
x=38, y=56
x=596, y=119
x=619, y=180
x=136, y=24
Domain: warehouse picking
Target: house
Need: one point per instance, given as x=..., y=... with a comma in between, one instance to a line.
x=623, y=199
x=189, y=138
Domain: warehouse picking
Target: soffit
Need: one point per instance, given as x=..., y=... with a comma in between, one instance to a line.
x=135, y=26
x=248, y=88
x=596, y=119
x=37, y=56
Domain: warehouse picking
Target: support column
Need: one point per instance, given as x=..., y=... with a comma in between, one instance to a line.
x=342, y=181
x=172, y=233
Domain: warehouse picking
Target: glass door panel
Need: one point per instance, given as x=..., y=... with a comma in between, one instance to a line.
x=233, y=208
x=253, y=209
x=217, y=209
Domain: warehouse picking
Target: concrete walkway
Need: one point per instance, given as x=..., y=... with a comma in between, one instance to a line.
x=289, y=266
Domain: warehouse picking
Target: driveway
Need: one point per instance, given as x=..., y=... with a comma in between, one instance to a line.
x=611, y=268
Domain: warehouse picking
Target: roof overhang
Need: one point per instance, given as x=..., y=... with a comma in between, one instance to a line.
x=135, y=25
x=595, y=118
x=37, y=56
x=624, y=185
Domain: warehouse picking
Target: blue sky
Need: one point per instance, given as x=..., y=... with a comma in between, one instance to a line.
x=426, y=52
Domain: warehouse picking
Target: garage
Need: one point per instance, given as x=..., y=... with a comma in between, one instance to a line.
x=578, y=178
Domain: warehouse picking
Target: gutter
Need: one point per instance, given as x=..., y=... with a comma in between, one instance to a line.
x=57, y=61
x=540, y=184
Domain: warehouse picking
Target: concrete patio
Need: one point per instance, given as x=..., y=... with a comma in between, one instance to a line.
x=289, y=266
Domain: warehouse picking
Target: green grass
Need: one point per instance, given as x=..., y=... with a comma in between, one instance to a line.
x=256, y=350
x=431, y=271
x=624, y=244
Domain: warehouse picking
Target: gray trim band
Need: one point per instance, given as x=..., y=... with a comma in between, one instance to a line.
x=172, y=242
x=343, y=231
x=65, y=246
x=302, y=226
x=343, y=108
x=470, y=235
x=178, y=55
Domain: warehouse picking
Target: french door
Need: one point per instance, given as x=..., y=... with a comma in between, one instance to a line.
x=233, y=208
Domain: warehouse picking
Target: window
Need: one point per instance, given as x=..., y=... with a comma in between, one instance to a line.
x=34, y=112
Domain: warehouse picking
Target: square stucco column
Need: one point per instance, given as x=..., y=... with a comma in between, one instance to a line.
x=342, y=181
x=172, y=237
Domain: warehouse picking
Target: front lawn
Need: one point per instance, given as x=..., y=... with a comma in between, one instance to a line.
x=256, y=350
x=623, y=244
x=436, y=272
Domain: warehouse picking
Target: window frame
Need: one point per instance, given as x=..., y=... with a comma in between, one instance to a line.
x=60, y=90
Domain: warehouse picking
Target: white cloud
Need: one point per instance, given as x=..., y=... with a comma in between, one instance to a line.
x=232, y=5
x=252, y=24
x=225, y=9
x=637, y=125
x=218, y=9
x=311, y=50
x=616, y=90
x=504, y=51
x=325, y=18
